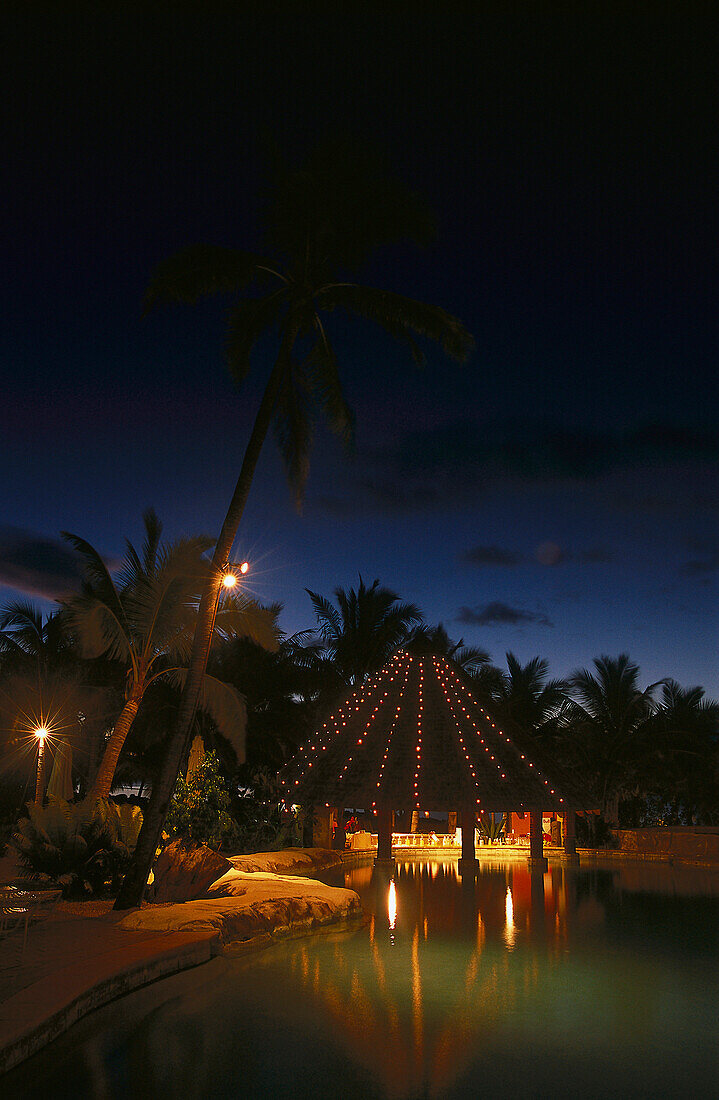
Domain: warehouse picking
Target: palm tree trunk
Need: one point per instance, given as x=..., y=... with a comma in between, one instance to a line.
x=102, y=783
x=139, y=869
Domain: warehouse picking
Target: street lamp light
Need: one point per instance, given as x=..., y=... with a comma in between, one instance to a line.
x=230, y=578
x=40, y=733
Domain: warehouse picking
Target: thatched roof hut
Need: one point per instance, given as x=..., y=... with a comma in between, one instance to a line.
x=414, y=737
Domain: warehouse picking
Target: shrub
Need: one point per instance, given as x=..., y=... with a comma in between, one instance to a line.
x=489, y=828
x=84, y=848
x=594, y=832
x=11, y=797
x=264, y=823
x=198, y=810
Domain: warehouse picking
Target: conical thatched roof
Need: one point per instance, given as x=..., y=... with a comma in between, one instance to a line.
x=414, y=737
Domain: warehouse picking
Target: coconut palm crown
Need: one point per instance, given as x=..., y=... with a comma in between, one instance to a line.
x=527, y=698
x=608, y=720
x=365, y=628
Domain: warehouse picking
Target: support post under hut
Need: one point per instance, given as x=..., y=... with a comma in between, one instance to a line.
x=537, y=858
x=468, y=863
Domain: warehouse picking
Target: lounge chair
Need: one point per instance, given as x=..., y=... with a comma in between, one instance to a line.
x=19, y=906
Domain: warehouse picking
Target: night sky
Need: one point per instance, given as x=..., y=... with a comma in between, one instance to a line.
x=557, y=495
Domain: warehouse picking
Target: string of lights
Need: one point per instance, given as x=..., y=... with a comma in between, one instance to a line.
x=411, y=707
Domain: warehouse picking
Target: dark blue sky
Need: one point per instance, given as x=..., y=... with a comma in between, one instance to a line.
x=558, y=494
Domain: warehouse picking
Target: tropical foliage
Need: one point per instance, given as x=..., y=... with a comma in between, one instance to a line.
x=526, y=699
x=264, y=822
x=283, y=691
x=84, y=848
x=490, y=827
x=607, y=729
x=364, y=629
x=649, y=755
x=199, y=807
x=147, y=621
x=435, y=639
x=45, y=682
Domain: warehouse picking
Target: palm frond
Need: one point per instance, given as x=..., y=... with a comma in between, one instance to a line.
x=327, y=616
x=470, y=657
x=98, y=631
x=22, y=633
x=97, y=574
x=22, y=615
x=248, y=320
x=324, y=380
x=303, y=650
x=132, y=570
x=199, y=270
x=293, y=429
x=400, y=316
x=160, y=606
x=153, y=533
x=243, y=617
x=225, y=706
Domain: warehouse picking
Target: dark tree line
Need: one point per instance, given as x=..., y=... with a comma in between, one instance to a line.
x=647, y=755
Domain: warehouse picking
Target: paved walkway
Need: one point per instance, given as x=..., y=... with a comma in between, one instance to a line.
x=70, y=967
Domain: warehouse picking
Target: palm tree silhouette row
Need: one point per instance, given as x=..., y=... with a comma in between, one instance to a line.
x=322, y=221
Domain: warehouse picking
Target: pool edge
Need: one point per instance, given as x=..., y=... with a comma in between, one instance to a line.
x=35, y=1027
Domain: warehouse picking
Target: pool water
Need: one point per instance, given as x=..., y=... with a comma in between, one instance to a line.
x=586, y=982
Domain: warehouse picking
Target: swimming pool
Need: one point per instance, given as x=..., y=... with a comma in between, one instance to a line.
x=594, y=981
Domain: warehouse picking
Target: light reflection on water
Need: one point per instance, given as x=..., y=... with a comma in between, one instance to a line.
x=595, y=982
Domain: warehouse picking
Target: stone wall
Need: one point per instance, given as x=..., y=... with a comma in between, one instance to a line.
x=691, y=843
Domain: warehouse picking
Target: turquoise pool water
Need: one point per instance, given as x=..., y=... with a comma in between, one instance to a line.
x=600, y=982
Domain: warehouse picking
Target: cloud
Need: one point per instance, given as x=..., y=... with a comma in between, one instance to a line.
x=490, y=555
x=547, y=553
x=456, y=462
x=494, y=614
x=551, y=554
x=540, y=450
x=706, y=560
x=37, y=565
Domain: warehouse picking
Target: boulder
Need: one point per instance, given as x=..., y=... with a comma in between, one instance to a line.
x=253, y=907
x=185, y=870
x=288, y=861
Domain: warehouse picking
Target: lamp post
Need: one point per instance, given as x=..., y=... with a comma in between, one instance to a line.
x=229, y=580
x=40, y=733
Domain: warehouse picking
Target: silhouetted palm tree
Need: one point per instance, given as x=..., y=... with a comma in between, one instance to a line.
x=147, y=623
x=30, y=642
x=683, y=769
x=365, y=628
x=44, y=682
x=280, y=691
x=323, y=220
x=607, y=728
x=435, y=640
x=527, y=699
